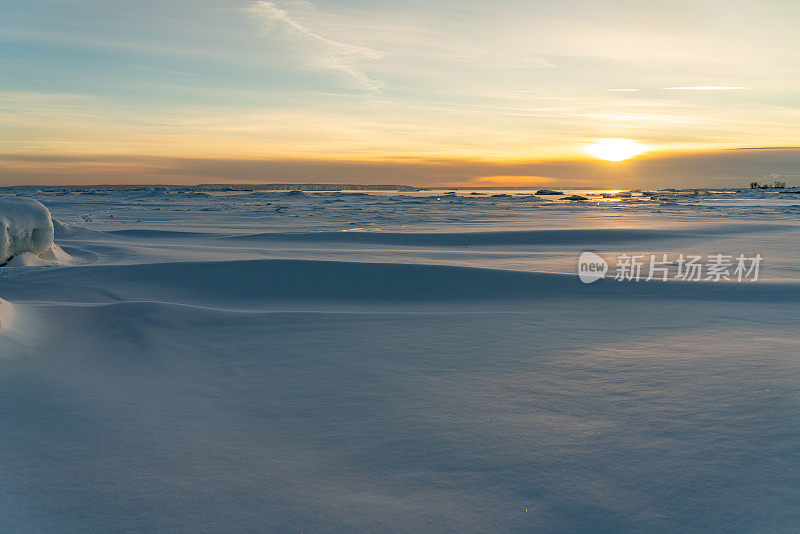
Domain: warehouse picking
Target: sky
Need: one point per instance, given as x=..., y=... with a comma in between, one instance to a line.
x=427, y=93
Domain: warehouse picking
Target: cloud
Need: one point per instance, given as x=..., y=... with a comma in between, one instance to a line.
x=768, y=148
x=511, y=181
x=720, y=168
x=706, y=88
x=336, y=55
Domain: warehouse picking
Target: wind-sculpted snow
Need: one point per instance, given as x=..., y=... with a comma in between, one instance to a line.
x=25, y=226
x=6, y=315
x=565, y=237
x=62, y=230
x=421, y=362
x=450, y=239
x=267, y=284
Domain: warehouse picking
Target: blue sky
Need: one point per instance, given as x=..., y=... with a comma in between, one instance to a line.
x=506, y=91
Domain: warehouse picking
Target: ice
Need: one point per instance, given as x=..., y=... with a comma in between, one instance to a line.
x=25, y=226
x=620, y=194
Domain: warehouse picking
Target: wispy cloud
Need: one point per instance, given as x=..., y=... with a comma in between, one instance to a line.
x=336, y=55
x=623, y=90
x=706, y=88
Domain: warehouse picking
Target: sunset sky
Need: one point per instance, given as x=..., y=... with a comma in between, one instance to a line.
x=433, y=92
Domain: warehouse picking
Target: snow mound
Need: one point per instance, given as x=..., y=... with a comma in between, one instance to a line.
x=55, y=255
x=64, y=230
x=61, y=229
x=6, y=314
x=25, y=226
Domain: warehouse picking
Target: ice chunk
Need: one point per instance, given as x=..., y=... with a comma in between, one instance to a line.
x=25, y=226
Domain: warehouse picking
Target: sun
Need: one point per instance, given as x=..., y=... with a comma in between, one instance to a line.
x=615, y=149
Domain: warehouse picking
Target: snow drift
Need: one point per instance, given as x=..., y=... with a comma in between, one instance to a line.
x=25, y=226
x=251, y=363
x=6, y=314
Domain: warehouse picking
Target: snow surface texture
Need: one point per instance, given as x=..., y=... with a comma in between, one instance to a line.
x=25, y=226
x=273, y=362
x=54, y=255
x=6, y=314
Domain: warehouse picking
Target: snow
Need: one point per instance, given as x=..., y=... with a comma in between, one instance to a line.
x=393, y=362
x=6, y=315
x=25, y=226
x=54, y=255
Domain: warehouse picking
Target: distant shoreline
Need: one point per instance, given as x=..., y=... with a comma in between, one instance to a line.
x=336, y=187
x=224, y=187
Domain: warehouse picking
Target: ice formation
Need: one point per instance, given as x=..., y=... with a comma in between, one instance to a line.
x=25, y=226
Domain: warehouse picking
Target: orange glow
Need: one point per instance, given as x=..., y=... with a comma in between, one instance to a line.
x=514, y=180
